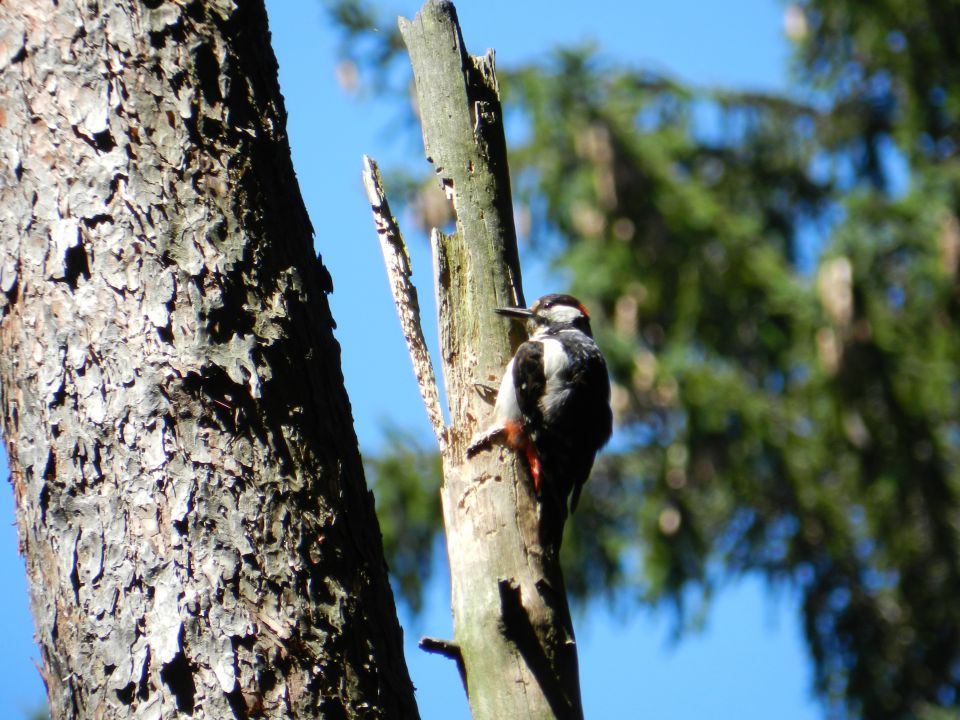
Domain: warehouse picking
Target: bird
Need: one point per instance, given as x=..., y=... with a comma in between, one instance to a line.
x=553, y=404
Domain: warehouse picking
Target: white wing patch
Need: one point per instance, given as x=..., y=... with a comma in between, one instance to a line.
x=507, y=407
x=554, y=362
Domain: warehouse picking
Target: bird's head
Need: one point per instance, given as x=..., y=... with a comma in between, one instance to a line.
x=552, y=312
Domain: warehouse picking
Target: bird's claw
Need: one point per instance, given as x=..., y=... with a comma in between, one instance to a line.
x=483, y=439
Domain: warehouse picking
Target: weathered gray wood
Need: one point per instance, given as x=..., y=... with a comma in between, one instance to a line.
x=400, y=275
x=191, y=504
x=511, y=620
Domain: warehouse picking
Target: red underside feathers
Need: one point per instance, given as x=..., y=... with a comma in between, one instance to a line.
x=534, y=462
x=517, y=440
x=516, y=437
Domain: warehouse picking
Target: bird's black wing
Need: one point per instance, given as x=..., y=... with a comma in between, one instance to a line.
x=529, y=381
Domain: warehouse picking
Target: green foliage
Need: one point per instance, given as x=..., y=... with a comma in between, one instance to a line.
x=803, y=429
x=406, y=485
x=938, y=713
x=892, y=68
x=798, y=422
x=369, y=39
x=42, y=713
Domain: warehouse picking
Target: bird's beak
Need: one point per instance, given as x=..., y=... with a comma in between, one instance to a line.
x=515, y=313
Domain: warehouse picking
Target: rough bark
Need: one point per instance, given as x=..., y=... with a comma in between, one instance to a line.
x=511, y=620
x=190, y=501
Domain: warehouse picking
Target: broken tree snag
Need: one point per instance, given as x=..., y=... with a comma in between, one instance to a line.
x=399, y=273
x=191, y=506
x=491, y=514
x=448, y=650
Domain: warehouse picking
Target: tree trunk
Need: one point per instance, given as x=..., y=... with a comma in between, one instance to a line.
x=190, y=499
x=511, y=620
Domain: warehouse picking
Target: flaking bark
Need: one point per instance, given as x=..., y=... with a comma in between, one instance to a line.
x=191, y=505
x=511, y=620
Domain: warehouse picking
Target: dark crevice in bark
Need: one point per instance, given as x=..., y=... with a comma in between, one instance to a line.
x=199, y=279
x=49, y=475
x=229, y=319
x=166, y=334
x=267, y=680
x=175, y=32
x=208, y=73
x=44, y=502
x=75, y=573
x=143, y=688
x=215, y=386
x=158, y=40
x=238, y=100
x=126, y=693
x=13, y=294
x=75, y=265
x=332, y=709
x=95, y=220
x=211, y=129
x=104, y=141
x=237, y=705
x=177, y=675
x=196, y=11
x=177, y=81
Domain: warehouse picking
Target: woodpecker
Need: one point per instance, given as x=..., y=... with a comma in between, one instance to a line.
x=554, y=398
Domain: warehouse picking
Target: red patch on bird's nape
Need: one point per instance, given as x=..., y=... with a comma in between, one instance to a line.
x=584, y=311
x=533, y=460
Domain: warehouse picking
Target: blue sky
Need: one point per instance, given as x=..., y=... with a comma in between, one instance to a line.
x=750, y=660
